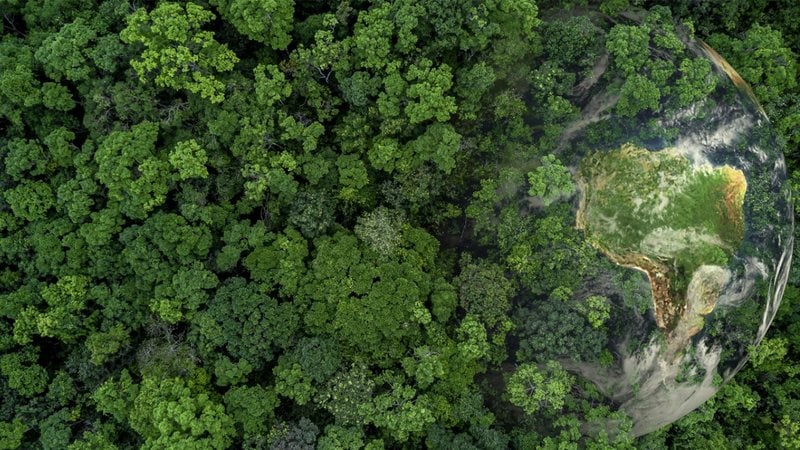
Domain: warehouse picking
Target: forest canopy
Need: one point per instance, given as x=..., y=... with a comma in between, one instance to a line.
x=275, y=224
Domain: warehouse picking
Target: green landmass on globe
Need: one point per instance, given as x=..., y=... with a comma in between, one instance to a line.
x=677, y=221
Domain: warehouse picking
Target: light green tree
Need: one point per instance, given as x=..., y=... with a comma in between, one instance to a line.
x=597, y=310
x=177, y=53
x=550, y=181
x=189, y=159
x=170, y=413
x=61, y=318
x=428, y=87
x=533, y=388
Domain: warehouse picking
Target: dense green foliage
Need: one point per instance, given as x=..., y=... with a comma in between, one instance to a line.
x=290, y=225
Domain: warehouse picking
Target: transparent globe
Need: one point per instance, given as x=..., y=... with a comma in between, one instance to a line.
x=685, y=199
